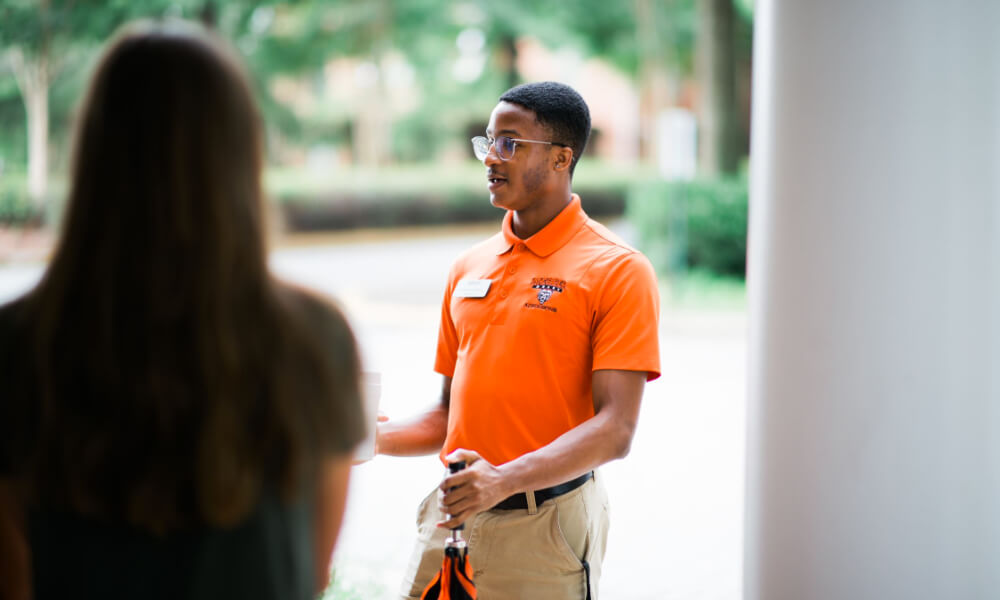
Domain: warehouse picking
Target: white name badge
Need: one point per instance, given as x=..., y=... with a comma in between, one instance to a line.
x=472, y=288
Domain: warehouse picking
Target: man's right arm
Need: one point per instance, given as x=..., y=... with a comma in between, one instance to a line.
x=421, y=434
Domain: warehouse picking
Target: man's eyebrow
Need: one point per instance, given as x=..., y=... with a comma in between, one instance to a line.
x=508, y=132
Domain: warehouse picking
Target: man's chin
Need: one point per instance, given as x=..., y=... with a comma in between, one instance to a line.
x=499, y=201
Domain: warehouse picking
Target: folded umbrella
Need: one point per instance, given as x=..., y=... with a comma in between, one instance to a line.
x=454, y=580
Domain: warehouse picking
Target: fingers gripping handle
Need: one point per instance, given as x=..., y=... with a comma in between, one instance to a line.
x=455, y=467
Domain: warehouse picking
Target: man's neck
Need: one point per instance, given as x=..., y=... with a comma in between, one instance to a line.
x=530, y=221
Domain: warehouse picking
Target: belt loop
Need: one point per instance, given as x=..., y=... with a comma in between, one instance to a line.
x=532, y=507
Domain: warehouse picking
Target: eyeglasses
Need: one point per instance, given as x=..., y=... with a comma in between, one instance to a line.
x=504, y=146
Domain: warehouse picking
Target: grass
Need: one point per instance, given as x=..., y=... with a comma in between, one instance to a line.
x=346, y=586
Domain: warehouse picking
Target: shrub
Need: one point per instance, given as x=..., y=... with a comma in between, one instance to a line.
x=15, y=205
x=692, y=224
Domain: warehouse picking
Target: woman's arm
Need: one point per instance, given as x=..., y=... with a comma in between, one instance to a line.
x=331, y=499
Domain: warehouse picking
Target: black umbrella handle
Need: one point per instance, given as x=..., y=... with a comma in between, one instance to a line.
x=455, y=467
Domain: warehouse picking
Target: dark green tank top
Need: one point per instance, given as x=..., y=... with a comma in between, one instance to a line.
x=268, y=556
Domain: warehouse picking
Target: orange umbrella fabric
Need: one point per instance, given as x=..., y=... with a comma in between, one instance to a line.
x=454, y=580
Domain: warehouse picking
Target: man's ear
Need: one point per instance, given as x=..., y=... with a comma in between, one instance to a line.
x=564, y=158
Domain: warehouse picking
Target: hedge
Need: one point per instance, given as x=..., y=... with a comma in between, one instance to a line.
x=307, y=200
x=699, y=224
x=423, y=194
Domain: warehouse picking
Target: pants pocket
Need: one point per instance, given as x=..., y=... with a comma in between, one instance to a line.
x=529, y=559
x=428, y=549
x=583, y=524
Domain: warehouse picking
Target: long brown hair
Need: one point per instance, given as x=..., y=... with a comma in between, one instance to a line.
x=177, y=378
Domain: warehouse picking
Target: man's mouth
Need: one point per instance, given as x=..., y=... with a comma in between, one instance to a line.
x=495, y=180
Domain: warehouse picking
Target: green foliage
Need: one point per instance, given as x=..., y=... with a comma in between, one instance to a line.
x=744, y=8
x=62, y=27
x=65, y=36
x=299, y=37
x=344, y=586
x=15, y=206
x=697, y=224
x=699, y=289
x=13, y=144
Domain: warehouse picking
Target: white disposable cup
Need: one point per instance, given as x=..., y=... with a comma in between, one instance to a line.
x=371, y=392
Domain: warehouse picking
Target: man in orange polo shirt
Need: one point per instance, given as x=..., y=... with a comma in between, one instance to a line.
x=548, y=335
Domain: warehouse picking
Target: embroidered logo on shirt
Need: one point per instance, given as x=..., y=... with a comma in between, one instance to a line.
x=546, y=286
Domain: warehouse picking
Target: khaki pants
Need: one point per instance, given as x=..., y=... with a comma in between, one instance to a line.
x=537, y=553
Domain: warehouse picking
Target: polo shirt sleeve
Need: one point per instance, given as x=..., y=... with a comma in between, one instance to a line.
x=625, y=332
x=447, y=346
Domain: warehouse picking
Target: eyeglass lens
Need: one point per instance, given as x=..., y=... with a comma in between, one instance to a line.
x=503, y=144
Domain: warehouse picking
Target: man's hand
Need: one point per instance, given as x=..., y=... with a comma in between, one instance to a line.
x=382, y=418
x=421, y=434
x=480, y=486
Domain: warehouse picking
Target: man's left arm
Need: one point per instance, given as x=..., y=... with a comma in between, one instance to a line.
x=604, y=437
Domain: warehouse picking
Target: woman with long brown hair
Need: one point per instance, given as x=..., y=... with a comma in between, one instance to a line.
x=174, y=421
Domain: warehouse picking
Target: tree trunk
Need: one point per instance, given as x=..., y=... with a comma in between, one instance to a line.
x=372, y=132
x=657, y=80
x=719, y=151
x=32, y=75
x=37, y=105
x=508, y=59
x=209, y=14
x=373, y=124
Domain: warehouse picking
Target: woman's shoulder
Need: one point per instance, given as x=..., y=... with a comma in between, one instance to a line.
x=319, y=313
x=332, y=351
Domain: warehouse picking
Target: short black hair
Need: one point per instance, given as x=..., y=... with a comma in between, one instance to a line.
x=558, y=107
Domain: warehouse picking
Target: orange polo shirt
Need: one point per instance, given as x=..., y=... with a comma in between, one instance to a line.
x=569, y=300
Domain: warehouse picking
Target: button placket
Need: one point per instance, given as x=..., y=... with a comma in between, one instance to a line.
x=503, y=293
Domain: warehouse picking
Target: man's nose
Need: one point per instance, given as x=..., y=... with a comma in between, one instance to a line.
x=491, y=158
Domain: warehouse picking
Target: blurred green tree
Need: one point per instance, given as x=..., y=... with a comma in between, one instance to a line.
x=47, y=44
x=46, y=39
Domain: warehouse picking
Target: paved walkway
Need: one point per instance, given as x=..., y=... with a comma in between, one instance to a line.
x=676, y=500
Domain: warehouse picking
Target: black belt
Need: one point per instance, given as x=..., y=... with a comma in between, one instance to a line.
x=520, y=500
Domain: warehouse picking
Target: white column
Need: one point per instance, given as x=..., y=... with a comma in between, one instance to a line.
x=874, y=284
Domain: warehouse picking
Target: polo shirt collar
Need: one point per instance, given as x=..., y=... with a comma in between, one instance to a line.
x=550, y=238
